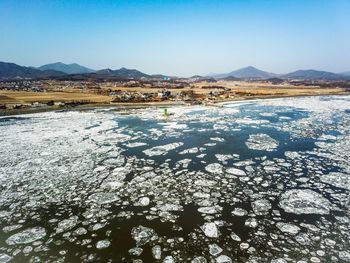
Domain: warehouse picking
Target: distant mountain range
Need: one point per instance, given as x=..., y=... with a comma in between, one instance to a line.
x=246, y=73
x=123, y=73
x=75, y=71
x=67, y=68
x=311, y=74
x=11, y=71
x=69, y=71
x=250, y=73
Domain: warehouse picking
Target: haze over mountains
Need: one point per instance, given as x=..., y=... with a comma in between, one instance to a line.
x=254, y=73
x=11, y=70
x=61, y=70
x=73, y=68
x=123, y=73
x=247, y=72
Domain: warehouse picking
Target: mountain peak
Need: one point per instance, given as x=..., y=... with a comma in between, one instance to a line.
x=250, y=68
x=123, y=73
x=12, y=70
x=312, y=74
x=249, y=72
x=73, y=68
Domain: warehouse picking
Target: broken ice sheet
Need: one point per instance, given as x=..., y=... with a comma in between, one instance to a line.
x=143, y=235
x=163, y=149
x=261, y=142
x=27, y=236
x=171, y=185
x=210, y=230
x=337, y=179
x=304, y=201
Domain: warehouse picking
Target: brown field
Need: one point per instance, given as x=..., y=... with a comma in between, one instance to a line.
x=22, y=97
x=238, y=91
x=245, y=89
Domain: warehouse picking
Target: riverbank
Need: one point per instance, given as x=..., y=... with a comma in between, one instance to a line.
x=169, y=103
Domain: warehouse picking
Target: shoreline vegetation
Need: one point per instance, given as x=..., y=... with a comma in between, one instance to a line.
x=21, y=98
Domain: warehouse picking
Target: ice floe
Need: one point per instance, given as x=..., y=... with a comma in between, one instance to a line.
x=27, y=236
x=101, y=244
x=214, y=168
x=235, y=171
x=261, y=142
x=161, y=150
x=261, y=206
x=142, y=235
x=186, y=189
x=288, y=228
x=210, y=230
x=337, y=179
x=304, y=201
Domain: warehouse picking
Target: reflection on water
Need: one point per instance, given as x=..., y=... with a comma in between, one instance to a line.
x=264, y=181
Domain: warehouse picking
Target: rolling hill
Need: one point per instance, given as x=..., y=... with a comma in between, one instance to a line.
x=123, y=73
x=345, y=73
x=67, y=68
x=311, y=74
x=246, y=73
x=12, y=70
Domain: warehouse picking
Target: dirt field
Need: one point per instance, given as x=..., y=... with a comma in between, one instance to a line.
x=238, y=91
x=245, y=89
x=18, y=97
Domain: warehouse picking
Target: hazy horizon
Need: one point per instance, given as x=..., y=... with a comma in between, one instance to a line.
x=180, y=38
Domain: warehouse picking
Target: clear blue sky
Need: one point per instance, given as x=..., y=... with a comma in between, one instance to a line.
x=178, y=37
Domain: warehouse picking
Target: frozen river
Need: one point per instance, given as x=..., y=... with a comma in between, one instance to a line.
x=263, y=181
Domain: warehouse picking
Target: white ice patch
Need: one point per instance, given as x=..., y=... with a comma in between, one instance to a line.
x=214, y=249
x=142, y=235
x=199, y=260
x=310, y=103
x=226, y=157
x=169, y=259
x=170, y=207
x=104, y=198
x=261, y=207
x=261, y=142
x=239, y=212
x=67, y=224
x=288, y=228
x=135, y=144
x=214, y=168
x=218, y=139
x=11, y=228
x=162, y=150
x=210, y=209
x=235, y=237
x=157, y=252
x=223, y=259
x=173, y=125
x=204, y=182
x=4, y=258
x=210, y=230
x=251, y=222
x=251, y=121
x=190, y=150
x=143, y=201
x=235, y=171
x=27, y=236
x=103, y=244
x=304, y=201
x=337, y=179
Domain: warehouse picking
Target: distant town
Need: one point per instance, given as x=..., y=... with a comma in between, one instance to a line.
x=62, y=85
